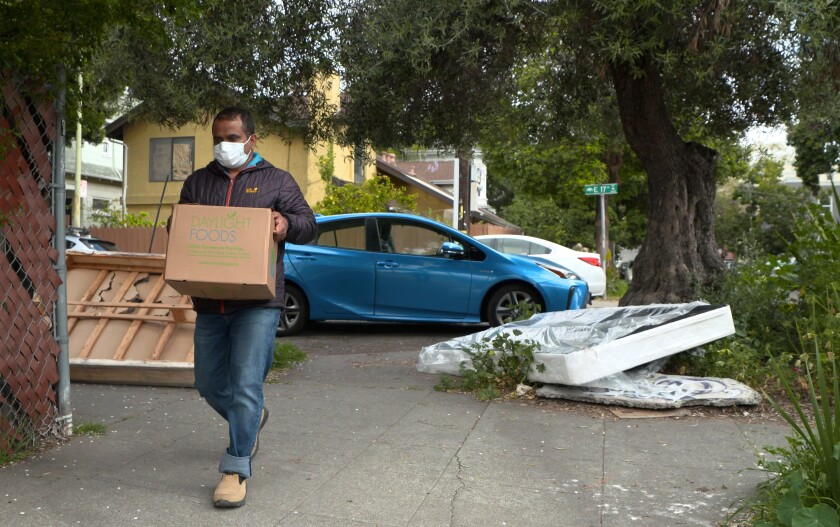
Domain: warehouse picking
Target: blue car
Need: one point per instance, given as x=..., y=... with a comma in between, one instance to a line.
x=401, y=267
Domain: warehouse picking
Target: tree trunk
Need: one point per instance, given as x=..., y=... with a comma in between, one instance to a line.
x=679, y=255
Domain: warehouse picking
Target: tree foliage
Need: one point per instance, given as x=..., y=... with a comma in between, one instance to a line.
x=42, y=37
x=273, y=57
x=179, y=61
x=817, y=145
x=756, y=214
x=815, y=131
x=425, y=72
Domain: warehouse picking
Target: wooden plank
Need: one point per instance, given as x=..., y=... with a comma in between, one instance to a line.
x=121, y=316
x=179, y=315
x=161, y=373
x=135, y=325
x=91, y=290
x=137, y=305
x=97, y=331
x=162, y=341
x=144, y=263
x=167, y=333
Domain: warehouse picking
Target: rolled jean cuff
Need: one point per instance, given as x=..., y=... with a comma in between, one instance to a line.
x=237, y=465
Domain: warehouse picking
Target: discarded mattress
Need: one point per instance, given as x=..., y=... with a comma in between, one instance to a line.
x=580, y=346
x=656, y=391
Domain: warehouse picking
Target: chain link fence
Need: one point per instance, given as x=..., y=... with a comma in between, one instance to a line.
x=29, y=279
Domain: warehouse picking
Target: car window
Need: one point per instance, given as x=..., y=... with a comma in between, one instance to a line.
x=347, y=234
x=491, y=242
x=514, y=246
x=401, y=237
x=536, y=248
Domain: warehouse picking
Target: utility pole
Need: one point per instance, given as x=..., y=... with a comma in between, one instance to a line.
x=77, y=198
x=464, y=192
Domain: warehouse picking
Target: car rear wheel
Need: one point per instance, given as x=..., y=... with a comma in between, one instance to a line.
x=295, y=313
x=512, y=302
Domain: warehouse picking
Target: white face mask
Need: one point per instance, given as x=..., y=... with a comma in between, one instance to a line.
x=231, y=155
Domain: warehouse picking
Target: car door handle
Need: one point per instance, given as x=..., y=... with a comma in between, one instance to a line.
x=388, y=264
x=305, y=257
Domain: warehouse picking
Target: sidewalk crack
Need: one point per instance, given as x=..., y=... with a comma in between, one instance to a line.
x=603, y=471
x=459, y=473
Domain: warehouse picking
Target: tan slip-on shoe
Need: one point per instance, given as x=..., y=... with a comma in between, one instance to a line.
x=263, y=420
x=230, y=492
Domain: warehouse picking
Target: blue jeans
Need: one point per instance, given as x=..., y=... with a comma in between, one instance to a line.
x=233, y=354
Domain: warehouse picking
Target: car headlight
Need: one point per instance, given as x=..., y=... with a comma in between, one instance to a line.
x=562, y=273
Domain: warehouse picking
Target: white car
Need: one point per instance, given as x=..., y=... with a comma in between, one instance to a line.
x=83, y=242
x=586, y=265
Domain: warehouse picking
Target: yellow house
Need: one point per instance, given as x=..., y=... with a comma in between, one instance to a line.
x=155, y=153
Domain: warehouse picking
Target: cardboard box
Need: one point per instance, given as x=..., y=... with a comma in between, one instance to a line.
x=225, y=253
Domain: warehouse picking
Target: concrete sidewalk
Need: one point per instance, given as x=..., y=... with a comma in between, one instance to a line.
x=357, y=440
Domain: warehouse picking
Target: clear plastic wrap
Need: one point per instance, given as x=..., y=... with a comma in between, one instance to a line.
x=581, y=346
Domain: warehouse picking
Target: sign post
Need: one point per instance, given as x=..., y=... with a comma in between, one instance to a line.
x=601, y=190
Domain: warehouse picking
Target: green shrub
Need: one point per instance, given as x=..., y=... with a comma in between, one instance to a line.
x=769, y=298
x=377, y=194
x=447, y=383
x=498, y=365
x=806, y=488
x=113, y=217
x=616, y=287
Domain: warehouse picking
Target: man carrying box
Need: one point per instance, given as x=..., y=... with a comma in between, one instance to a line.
x=234, y=339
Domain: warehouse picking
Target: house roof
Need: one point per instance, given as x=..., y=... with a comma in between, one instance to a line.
x=114, y=129
x=489, y=216
x=90, y=170
x=436, y=172
x=428, y=188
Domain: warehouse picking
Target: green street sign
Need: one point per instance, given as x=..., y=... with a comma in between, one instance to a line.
x=603, y=188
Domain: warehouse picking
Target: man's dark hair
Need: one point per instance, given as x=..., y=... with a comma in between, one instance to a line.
x=233, y=113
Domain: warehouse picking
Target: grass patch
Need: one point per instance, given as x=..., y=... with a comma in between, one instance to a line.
x=14, y=451
x=287, y=355
x=18, y=443
x=89, y=429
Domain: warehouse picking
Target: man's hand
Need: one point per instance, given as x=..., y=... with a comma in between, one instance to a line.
x=281, y=225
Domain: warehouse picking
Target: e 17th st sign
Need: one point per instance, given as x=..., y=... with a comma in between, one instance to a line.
x=602, y=188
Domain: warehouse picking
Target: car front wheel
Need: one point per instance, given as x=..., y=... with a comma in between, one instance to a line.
x=295, y=313
x=512, y=302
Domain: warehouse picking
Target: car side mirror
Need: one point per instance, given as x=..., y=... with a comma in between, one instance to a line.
x=451, y=249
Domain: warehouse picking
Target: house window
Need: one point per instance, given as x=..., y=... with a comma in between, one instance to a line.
x=171, y=157
x=100, y=205
x=106, y=150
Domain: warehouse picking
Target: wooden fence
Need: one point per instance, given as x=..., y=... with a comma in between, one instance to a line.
x=134, y=239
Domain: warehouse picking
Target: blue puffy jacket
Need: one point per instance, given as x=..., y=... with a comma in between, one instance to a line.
x=262, y=186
